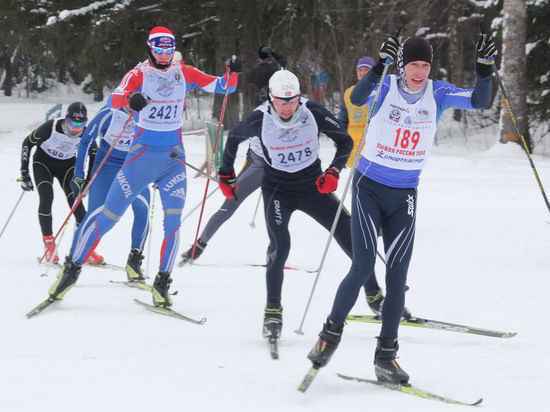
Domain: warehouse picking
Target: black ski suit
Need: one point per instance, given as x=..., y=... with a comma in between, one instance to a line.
x=292, y=166
x=54, y=158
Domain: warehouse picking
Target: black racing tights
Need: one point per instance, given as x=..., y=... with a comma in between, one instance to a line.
x=45, y=168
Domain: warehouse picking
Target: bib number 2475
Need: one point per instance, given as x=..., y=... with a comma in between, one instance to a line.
x=404, y=138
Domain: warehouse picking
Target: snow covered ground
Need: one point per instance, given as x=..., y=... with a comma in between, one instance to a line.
x=481, y=258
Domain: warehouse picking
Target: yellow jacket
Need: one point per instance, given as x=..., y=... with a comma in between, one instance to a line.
x=357, y=120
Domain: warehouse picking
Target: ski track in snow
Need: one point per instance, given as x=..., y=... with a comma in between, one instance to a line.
x=481, y=258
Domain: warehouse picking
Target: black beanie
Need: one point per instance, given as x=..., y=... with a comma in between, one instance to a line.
x=417, y=48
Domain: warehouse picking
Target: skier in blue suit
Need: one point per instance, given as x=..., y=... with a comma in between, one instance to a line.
x=155, y=92
x=115, y=128
x=398, y=140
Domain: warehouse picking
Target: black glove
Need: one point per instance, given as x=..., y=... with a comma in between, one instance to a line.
x=234, y=64
x=486, y=52
x=137, y=101
x=77, y=185
x=388, y=50
x=26, y=182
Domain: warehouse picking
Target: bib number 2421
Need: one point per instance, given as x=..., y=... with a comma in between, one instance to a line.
x=404, y=138
x=167, y=112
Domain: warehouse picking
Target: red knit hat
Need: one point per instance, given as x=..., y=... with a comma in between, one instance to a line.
x=160, y=31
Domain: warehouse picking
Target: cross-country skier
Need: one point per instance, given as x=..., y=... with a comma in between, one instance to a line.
x=115, y=127
x=354, y=118
x=56, y=143
x=287, y=128
x=250, y=178
x=398, y=141
x=155, y=90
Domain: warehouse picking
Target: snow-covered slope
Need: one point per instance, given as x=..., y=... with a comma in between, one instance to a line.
x=481, y=257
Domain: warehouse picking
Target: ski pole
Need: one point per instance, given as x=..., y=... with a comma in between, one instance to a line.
x=219, y=135
x=253, y=221
x=508, y=106
x=12, y=213
x=199, y=204
x=86, y=188
x=300, y=331
x=150, y=231
x=196, y=169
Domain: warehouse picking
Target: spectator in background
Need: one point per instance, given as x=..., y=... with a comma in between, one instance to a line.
x=351, y=117
x=319, y=84
x=256, y=79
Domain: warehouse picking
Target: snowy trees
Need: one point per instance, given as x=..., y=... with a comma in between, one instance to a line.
x=45, y=40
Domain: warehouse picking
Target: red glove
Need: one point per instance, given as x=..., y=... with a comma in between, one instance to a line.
x=227, y=183
x=328, y=181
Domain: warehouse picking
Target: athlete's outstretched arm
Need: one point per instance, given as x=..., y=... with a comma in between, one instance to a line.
x=211, y=84
x=447, y=95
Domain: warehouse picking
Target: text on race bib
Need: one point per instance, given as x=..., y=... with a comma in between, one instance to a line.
x=166, y=112
x=295, y=156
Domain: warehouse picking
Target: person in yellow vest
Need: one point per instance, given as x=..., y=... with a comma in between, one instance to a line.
x=354, y=118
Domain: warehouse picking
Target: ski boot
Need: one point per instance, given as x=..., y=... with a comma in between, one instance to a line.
x=162, y=282
x=328, y=341
x=187, y=257
x=386, y=367
x=273, y=322
x=50, y=254
x=376, y=302
x=133, y=266
x=66, y=279
x=95, y=259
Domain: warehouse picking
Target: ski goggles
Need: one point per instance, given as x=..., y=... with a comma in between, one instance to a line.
x=169, y=51
x=163, y=45
x=75, y=125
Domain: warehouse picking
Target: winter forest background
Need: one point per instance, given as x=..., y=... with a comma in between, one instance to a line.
x=93, y=43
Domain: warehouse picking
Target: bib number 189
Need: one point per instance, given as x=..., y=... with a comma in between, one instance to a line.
x=404, y=137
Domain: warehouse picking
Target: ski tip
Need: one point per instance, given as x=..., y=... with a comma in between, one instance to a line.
x=478, y=402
